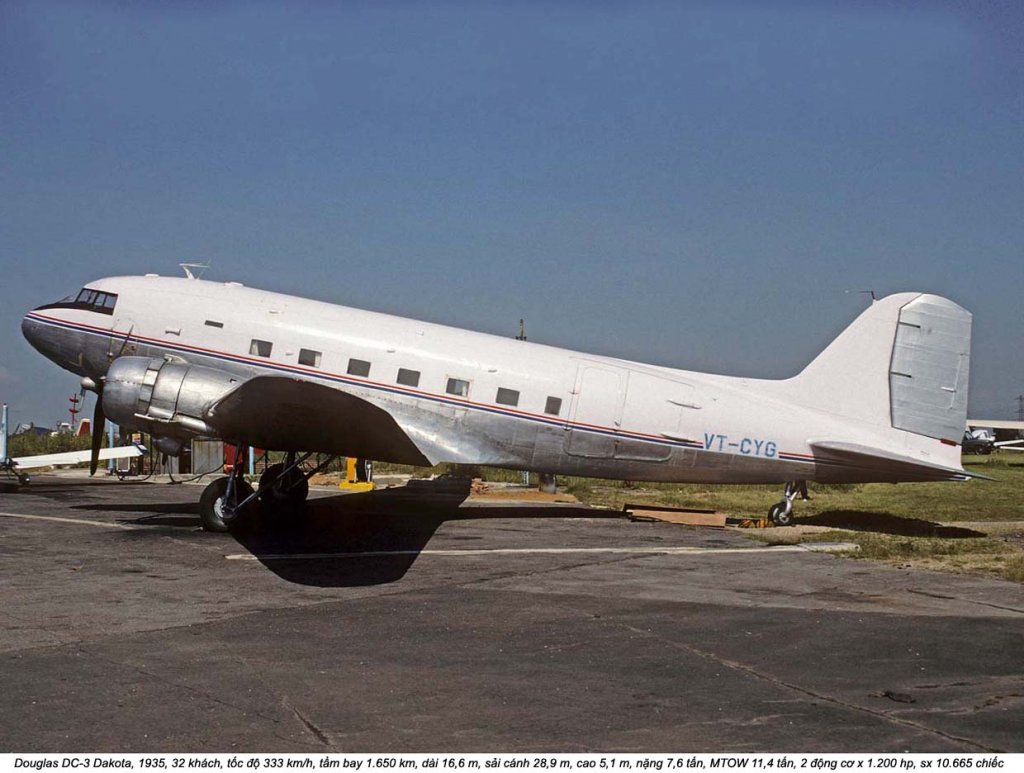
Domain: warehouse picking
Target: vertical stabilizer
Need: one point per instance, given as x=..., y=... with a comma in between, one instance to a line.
x=903, y=363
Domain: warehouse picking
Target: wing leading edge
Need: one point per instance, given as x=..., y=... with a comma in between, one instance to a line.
x=287, y=414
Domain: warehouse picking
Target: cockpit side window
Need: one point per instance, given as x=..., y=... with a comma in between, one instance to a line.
x=87, y=300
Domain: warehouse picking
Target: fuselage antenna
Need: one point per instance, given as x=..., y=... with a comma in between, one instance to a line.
x=862, y=292
x=189, y=266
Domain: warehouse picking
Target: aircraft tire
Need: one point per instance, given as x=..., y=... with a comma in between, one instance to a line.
x=212, y=500
x=273, y=495
x=781, y=515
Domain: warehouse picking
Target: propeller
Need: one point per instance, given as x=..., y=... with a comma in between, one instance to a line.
x=99, y=422
x=99, y=418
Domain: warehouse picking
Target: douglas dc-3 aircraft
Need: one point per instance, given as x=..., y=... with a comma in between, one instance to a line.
x=182, y=358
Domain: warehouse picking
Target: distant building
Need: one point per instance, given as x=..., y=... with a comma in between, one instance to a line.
x=31, y=428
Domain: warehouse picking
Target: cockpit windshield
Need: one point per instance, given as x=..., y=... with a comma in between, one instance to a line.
x=86, y=299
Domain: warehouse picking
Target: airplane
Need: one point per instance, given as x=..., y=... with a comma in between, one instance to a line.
x=15, y=467
x=183, y=358
x=1000, y=425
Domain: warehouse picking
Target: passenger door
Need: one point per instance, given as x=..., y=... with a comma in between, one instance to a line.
x=597, y=410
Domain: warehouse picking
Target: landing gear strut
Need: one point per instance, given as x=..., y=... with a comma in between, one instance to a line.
x=223, y=499
x=221, y=502
x=10, y=470
x=285, y=484
x=781, y=513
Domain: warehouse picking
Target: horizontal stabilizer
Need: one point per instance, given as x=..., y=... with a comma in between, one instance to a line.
x=887, y=463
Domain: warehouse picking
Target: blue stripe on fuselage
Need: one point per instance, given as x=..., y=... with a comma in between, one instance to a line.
x=376, y=386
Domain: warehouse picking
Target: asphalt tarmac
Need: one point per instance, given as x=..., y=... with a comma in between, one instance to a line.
x=415, y=621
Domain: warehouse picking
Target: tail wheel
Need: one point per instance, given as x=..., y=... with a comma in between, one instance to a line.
x=213, y=504
x=781, y=514
x=292, y=489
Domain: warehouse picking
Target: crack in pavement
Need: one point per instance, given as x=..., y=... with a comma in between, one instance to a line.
x=966, y=601
x=188, y=688
x=310, y=726
x=780, y=683
x=311, y=603
x=319, y=734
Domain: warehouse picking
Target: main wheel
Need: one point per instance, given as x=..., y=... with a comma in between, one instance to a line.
x=781, y=514
x=291, y=490
x=211, y=503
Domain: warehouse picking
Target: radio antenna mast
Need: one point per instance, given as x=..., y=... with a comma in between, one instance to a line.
x=189, y=266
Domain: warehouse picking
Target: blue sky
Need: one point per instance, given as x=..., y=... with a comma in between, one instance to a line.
x=692, y=184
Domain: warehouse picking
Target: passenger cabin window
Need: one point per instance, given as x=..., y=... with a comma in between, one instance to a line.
x=260, y=348
x=553, y=406
x=309, y=358
x=213, y=323
x=87, y=300
x=358, y=368
x=410, y=378
x=507, y=396
x=456, y=386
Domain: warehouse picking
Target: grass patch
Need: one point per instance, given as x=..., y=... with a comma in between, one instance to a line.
x=910, y=524
x=992, y=555
x=973, y=500
x=976, y=526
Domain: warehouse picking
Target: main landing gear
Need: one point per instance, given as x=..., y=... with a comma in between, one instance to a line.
x=284, y=485
x=11, y=473
x=781, y=513
x=10, y=477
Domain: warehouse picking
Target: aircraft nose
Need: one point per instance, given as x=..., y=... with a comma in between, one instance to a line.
x=30, y=329
x=34, y=332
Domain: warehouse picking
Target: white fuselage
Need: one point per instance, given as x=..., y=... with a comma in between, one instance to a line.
x=531, y=406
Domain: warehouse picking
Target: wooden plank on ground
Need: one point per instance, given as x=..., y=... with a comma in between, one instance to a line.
x=684, y=517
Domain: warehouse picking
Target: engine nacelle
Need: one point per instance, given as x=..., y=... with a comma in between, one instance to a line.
x=165, y=398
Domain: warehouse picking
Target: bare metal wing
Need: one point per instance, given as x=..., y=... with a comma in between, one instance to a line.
x=287, y=414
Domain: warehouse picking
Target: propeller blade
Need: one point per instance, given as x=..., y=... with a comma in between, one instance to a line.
x=99, y=421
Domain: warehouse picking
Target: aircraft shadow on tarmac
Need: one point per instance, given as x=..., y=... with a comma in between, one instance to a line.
x=373, y=538
x=391, y=527
x=886, y=523
x=376, y=536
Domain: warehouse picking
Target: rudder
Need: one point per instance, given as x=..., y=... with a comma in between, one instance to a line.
x=930, y=368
